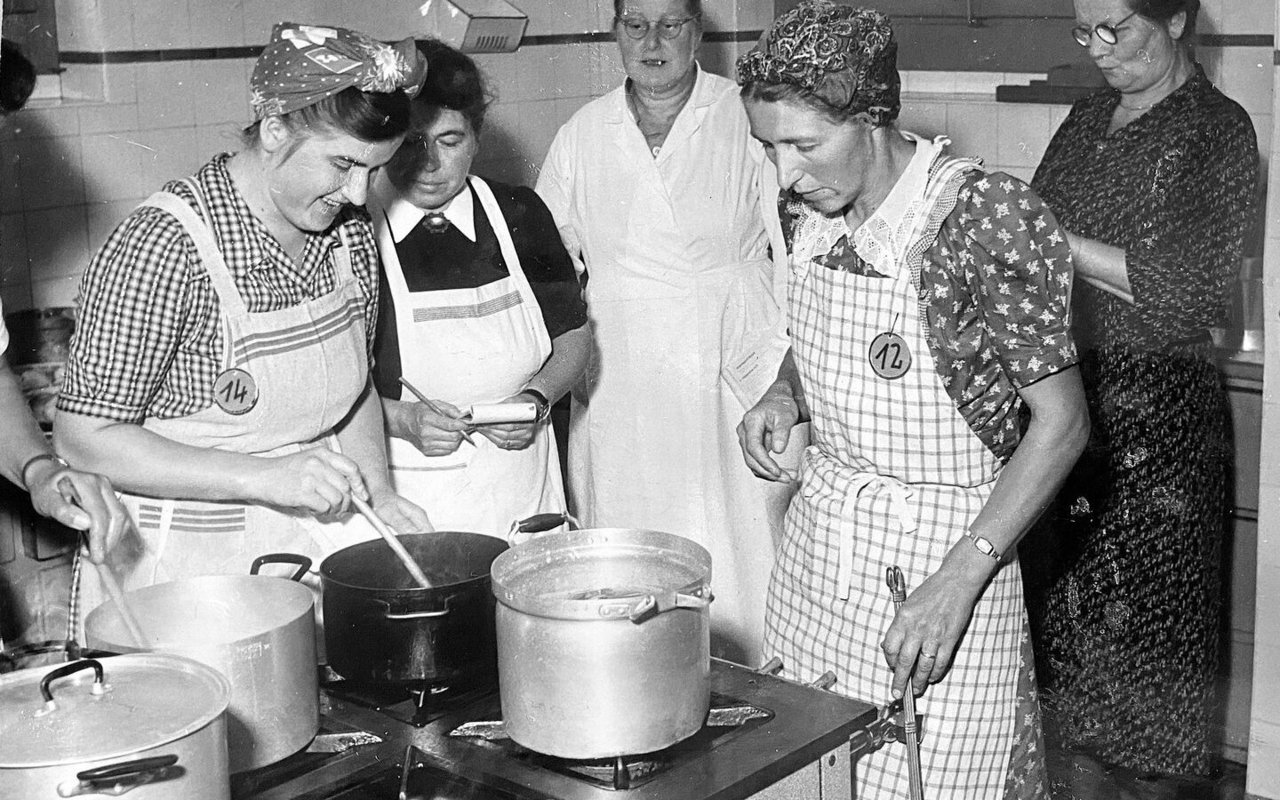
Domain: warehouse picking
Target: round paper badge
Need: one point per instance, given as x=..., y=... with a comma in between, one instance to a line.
x=889, y=356
x=235, y=391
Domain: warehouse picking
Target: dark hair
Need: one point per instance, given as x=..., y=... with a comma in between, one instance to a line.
x=453, y=82
x=1164, y=10
x=17, y=77
x=368, y=116
x=694, y=6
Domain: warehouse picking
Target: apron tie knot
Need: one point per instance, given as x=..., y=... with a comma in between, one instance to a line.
x=900, y=495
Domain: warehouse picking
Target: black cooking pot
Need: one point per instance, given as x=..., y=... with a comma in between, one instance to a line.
x=381, y=627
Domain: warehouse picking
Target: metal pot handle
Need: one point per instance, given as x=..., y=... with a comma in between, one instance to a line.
x=46, y=688
x=117, y=779
x=302, y=561
x=539, y=523
x=389, y=614
x=651, y=605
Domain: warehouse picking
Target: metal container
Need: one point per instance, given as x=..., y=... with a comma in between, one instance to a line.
x=604, y=641
x=381, y=627
x=149, y=725
x=256, y=630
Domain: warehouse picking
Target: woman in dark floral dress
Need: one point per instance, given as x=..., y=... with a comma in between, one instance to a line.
x=1154, y=180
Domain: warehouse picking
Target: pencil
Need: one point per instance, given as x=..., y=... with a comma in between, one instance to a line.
x=423, y=399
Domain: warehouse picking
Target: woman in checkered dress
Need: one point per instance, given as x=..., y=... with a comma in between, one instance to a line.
x=928, y=308
x=219, y=373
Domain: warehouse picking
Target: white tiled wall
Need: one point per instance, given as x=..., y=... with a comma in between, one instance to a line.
x=71, y=168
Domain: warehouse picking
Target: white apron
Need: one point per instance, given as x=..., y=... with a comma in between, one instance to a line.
x=309, y=365
x=467, y=346
x=894, y=477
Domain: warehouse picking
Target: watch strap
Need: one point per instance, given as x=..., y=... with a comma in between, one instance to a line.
x=983, y=545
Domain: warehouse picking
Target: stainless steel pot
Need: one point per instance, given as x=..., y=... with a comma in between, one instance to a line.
x=257, y=631
x=604, y=641
x=151, y=725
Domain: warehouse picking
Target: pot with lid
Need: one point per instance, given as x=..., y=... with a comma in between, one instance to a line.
x=604, y=640
x=150, y=725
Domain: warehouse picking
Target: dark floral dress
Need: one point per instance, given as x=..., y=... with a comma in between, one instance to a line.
x=1125, y=581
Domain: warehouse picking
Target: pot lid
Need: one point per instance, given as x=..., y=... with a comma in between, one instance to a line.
x=104, y=708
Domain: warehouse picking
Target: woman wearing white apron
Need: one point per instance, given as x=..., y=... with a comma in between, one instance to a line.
x=482, y=305
x=219, y=373
x=928, y=306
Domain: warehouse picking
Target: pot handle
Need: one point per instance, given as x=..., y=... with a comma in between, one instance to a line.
x=389, y=614
x=46, y=688
x=117, y=779
x=302, y=561
x=539, y=523
x=651, y=605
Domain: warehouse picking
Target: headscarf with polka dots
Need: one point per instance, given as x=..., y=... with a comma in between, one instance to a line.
x=304, y=64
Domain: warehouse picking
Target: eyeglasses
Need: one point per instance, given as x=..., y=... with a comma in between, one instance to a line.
x=638, y=27
x=1107, y=34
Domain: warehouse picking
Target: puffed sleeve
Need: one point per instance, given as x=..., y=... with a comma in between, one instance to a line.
x=133, y=300
x=1018, y=265
x=1190, y=247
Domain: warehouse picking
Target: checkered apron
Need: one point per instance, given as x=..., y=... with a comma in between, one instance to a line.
x=894, y=477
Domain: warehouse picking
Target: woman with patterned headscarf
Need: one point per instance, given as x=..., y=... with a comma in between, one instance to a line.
x=219, y=374
x=928, y=309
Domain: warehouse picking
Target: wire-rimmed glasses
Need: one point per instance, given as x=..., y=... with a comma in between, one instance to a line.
x=668, y=27
x=1107, y=34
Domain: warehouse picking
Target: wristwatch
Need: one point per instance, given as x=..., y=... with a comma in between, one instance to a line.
x=983, y=545
x=540, y=400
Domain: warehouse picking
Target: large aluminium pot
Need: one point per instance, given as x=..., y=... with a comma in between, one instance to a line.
x=604, y=641
x=381, y=627
x=150, y=725
x=258, y=631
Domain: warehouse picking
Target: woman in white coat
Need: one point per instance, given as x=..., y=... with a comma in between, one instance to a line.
x=656, y=189
x=480, y=304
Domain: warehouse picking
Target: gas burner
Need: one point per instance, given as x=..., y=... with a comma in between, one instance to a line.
x=415, y=704
x=727, y=718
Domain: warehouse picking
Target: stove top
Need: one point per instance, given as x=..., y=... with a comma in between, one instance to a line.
x=781, y=727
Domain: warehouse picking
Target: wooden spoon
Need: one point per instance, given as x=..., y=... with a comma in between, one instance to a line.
x=393, y=542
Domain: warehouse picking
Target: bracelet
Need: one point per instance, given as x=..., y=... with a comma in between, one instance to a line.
x=540, y=400
x=983, y=545
x=37, y=458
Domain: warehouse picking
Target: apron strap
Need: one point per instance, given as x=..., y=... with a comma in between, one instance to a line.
x=215, y=266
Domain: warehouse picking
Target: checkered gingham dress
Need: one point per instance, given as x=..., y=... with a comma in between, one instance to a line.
x=884, y=452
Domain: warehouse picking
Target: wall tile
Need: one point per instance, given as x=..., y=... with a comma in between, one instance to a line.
x=113, y=166
x=57, y=243
x=926, y=117
x=1023, y=131
x=159, y=24
x=1247, y=77
x=40, y=120
x=1209, y=20
x=10, y=180
x=165, y=97
x=214, y=139
x=171, y=153
x=108, y=24
x=84, y=82
x=973, y=129
x=14, y=268
x=50, y=172
x=214, y=24
x=218, y=93
x=16, y=297
x=60, y=291
x=1247, y=16
x=572, y=70
x=120, y=83
x=107, y=118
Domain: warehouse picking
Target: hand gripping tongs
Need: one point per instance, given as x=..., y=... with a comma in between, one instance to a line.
x=898, y=588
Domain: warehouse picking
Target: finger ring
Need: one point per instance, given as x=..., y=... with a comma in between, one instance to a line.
x=928, y=655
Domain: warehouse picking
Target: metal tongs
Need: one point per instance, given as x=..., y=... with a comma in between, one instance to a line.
x=898, y=588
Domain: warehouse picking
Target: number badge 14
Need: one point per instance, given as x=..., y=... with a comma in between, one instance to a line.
x=235, y=391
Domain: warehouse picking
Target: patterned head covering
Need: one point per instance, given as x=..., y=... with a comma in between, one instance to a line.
x=304, y=64
x=844, y=56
